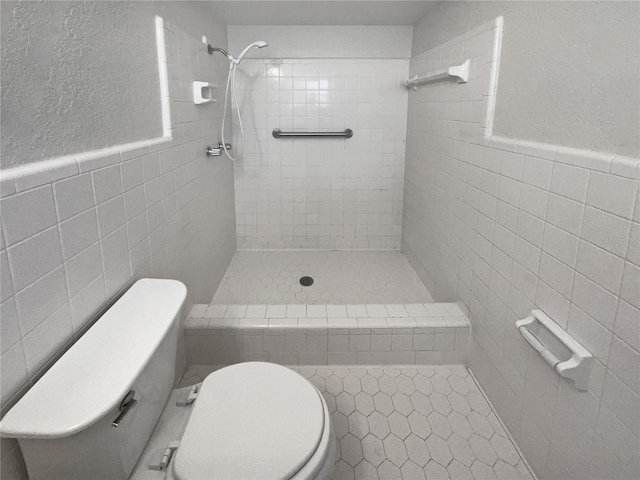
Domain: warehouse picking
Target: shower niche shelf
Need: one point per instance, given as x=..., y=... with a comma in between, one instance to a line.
x=203, y=92
x=559, y=349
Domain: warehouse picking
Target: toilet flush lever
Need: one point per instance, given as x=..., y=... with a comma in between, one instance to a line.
x=128, y=402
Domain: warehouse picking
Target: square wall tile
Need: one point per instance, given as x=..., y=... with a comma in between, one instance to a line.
x=40, y=204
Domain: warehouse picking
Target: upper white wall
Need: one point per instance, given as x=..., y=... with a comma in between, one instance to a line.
x=322, y=12
x=569, y=71
x=323, y=41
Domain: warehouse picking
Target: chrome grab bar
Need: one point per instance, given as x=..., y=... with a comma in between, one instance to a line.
x=277, y=133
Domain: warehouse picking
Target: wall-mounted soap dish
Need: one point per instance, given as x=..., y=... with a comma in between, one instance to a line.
x=559, y=349
x=203, y=92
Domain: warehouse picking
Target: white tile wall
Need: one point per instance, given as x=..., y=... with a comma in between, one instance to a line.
x=326, y=193
x=71, y=245
x=77, y=234
x=506, y=226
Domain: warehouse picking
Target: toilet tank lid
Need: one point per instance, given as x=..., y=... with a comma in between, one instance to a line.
x=93, y=376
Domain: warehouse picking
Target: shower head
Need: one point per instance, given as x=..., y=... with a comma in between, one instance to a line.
x=258, y=44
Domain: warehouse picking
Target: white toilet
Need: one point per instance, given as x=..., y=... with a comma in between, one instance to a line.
x=91, y=415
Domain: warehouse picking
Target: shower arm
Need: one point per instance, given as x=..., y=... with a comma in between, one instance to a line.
x=233, y=60
x=211, y=49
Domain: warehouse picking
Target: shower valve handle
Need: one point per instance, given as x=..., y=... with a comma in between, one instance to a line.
x=216, y=151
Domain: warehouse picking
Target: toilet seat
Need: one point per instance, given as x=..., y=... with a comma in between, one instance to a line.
x=252, y=420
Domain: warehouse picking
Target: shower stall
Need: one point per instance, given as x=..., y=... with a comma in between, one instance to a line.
x=322, y=173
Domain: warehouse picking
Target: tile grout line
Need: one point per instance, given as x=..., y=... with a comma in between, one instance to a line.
x=196, y=374
x=495, y=412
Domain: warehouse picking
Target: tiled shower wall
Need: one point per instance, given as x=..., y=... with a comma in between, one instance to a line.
x=72, y=245
x=505, y=226
x=321, y=193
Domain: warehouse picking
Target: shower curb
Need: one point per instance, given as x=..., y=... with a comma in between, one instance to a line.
x=323, y=340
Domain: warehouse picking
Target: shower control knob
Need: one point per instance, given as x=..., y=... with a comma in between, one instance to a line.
x=216, y=151
x=213, y=151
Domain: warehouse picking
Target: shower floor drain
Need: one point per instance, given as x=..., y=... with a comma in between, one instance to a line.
x=306, y=281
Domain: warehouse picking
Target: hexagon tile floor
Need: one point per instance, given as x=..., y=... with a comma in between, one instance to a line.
x=424, y=423
x=340, y=277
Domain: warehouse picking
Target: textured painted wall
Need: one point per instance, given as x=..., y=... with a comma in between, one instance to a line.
x=323, y=41
x=83, y=85
x=569, y=72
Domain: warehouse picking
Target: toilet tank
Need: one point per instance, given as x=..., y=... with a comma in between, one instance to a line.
x=64, y=423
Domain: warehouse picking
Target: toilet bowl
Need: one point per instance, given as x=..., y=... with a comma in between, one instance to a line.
x=93, y=413
x=268, y=416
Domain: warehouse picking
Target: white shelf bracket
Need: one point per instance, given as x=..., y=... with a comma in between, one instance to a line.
x=461, y=72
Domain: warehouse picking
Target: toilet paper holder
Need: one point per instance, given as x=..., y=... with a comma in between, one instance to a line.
x=553, y=342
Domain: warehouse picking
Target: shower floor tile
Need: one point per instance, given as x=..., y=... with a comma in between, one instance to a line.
x=409, y=423
x=340, y=277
